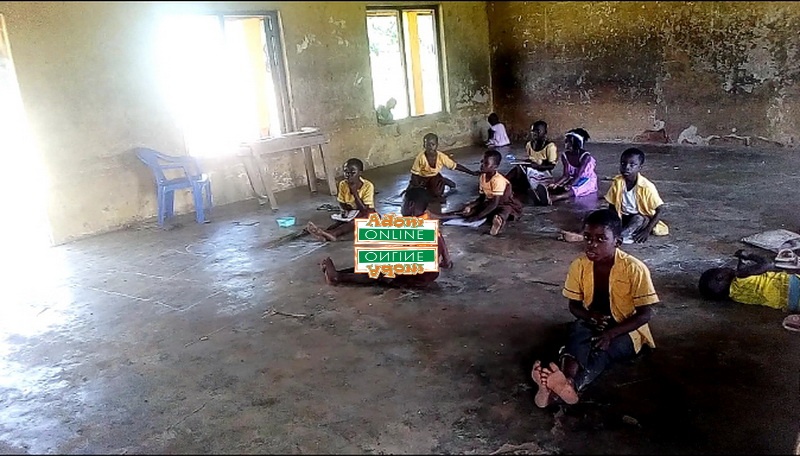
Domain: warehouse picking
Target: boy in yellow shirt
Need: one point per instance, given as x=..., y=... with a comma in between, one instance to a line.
x=496, y=200
x=355, y=193
x=425, y=171
x=610, y=294
x=755, y=281
x=636, y=200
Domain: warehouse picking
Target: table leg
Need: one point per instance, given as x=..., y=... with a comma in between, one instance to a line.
x=311, y=174
x=329, y=174
x=269, y=185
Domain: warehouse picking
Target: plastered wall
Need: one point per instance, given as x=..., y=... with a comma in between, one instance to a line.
x=614, y=67
x=90, y=87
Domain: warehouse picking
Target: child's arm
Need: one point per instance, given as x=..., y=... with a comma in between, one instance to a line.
x=489, y=206
x=464, y=169
x=644, y=233
x=642, y=316
x=576, y=308
x=564, y=177
x=446, y=262
x=544, y=166
x=760, y=265
x=359, y=203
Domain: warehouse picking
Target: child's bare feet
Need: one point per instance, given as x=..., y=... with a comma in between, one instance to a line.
x=542, y=398
x=556, y=381
x=497, y=225
x=329, y=270
x=569, y=236
x=319, y=233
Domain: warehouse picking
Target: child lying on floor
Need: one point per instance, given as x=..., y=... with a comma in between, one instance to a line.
x=355, y=193
x=425, y=172
x=496, y=200
x=415, y=204
x=610, y=294
x=636, y=200
x=754, y=281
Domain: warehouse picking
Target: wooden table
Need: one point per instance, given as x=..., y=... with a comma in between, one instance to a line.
x=306, y=140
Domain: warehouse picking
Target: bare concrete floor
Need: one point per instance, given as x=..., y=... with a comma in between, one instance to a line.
x=154, y=341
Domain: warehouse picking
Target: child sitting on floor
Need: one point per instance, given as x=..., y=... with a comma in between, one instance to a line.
x=496, y=200
x=610, y=294
x=355, y=194
x=542, y=159
x=758, y=283
x=579, y=178
x=415, y=204
x=636, y=200
x=425, y=172
x=497, y=132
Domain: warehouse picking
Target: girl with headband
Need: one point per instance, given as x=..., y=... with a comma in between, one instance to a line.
x=579, y=177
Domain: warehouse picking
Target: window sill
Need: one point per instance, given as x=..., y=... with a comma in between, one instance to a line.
x=437, y=116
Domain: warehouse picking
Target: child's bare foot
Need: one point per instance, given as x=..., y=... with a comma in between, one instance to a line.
x=329, y=270
x=319, y=233
x=542, y=398
x=556, y=381
x=569, y=236
x=497, y=225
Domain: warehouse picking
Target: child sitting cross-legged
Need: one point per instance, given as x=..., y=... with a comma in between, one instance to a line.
x=496, y=200
x=355, y=194
x=415, y=204
x=636, y=200
x=755, y=281
x=610, y=294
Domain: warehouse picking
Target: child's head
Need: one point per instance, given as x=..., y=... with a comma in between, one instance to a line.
x=415, y=202
x=630, y=163
x=538, y=130
x=491, y=160
x=430, y=142
x=575, y=139
x=391, y=103
x=352, y=169
x=602, y=230
x=715, y=283
x=493, y=119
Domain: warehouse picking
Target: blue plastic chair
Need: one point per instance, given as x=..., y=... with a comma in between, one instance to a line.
x=193, y=178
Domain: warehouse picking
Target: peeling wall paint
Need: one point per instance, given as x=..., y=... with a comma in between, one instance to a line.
x=307, y=41
x=89, y=87
x=607, y=65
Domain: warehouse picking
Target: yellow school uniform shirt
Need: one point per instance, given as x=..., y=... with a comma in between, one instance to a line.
x=647, y=199
x=630, y=287
x=421, y=167
x=366, y=193
x=769, y=289
x=496, y=186
x=549, y=153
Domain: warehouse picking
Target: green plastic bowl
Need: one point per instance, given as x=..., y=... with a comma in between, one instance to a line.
x=285, y=222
